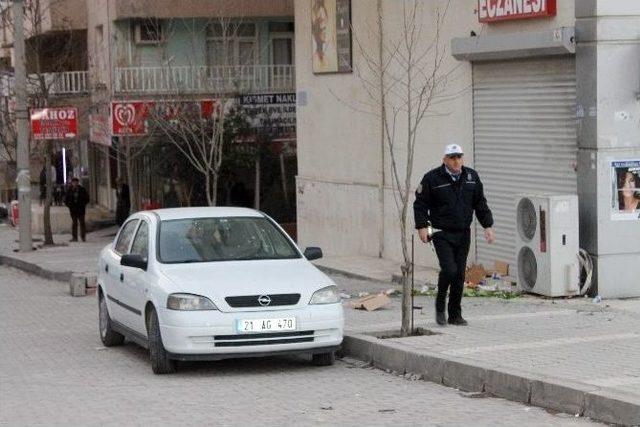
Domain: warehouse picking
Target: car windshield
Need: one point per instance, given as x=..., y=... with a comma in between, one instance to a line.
x=222, y=239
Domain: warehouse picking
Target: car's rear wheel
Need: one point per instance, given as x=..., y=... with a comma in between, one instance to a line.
x=160, y=362
x=108, y=336
x=324, y=359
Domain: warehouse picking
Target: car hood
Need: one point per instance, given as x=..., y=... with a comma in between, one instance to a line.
x=217, y=280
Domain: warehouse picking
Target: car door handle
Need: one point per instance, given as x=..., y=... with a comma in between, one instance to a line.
x=121, y=277
x=106, y=268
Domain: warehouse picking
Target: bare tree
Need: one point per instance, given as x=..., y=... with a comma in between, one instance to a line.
x=403, y=81
x=41, y=79
x=199, y=129
x=8, y=135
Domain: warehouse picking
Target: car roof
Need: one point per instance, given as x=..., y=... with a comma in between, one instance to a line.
x=205, y=212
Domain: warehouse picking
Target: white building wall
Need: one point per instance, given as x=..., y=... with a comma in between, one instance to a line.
x=339, y=147
x=338, y=150
x=608, y=71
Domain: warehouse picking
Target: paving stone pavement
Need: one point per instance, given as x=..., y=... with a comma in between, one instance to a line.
x=569, y=339
x=54, y=371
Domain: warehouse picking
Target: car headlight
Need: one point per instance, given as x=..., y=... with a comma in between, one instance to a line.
x=328, y=295
x=189, y=302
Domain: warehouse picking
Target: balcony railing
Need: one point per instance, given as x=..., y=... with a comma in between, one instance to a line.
x=205, y=79
x=57, y=84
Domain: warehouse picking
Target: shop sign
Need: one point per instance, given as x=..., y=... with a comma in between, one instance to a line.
x=270, y=110
x=130, y=118
x=54, y=123
x=508, y=10
x=99, y=129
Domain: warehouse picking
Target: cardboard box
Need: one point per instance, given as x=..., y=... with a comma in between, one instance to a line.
x=501, y=267
x=474, y=274
x=370, y=302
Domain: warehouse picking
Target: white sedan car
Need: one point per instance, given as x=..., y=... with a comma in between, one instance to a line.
x=215, y=283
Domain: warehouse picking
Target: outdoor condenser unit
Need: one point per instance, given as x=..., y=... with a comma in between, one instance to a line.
x=547, y=244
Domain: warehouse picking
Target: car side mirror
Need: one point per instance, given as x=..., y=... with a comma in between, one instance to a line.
x=313, y=253
x=134, y=260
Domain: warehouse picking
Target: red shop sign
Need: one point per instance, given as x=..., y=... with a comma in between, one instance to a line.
x=506, y=10
x=129, y=118
x=54, y=123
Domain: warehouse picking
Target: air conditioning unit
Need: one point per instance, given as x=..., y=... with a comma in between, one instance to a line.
x=547, y=244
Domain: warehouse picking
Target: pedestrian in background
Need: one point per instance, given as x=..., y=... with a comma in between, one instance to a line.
x=123, y=204
x=43, y=185
x=445, y=200
x=76, y=200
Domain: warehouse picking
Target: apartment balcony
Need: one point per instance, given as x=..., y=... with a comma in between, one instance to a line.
x=67, y=83
x=187, y=80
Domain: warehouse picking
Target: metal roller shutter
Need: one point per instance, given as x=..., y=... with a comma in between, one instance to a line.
x=524, y=139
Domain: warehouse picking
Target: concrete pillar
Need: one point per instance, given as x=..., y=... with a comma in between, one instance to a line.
x=608, y=119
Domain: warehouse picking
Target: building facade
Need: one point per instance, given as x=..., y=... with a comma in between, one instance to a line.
x=542, y=95
x=57, y=76
x=164, y=51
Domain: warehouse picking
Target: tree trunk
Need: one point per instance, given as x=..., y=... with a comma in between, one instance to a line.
x=256, y=196
x=48, y=235
x=283, y=172
x=407, y=306
x=133, y=198
x=405, y=329
x=207, y=188
x=214, y=189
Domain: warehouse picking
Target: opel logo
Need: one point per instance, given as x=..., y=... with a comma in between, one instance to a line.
x=264, y=300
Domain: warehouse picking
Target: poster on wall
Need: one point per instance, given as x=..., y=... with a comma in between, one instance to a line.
x=331, y=36
x=625, y=183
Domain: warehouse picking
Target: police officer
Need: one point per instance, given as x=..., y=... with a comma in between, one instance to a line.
x=446, y=199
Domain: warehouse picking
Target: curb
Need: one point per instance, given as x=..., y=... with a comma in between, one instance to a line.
x=62, y=276
x=473, y=376
x=332, y=270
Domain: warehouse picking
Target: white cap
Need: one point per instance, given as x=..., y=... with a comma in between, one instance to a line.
x=453, y=149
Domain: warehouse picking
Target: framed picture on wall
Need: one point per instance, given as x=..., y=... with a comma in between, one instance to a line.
x=331, y=36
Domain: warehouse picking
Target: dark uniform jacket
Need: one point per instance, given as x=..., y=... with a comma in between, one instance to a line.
x=77, y=200
x=449, y=204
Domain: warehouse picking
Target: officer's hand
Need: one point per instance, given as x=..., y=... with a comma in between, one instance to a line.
x=489, y=235
x=422, y=232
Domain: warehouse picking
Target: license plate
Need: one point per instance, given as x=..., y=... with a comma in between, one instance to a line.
x=266, y=325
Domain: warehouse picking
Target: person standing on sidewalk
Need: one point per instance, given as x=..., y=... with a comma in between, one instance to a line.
x=76, y=200
x=446, y=199
x=123, y=205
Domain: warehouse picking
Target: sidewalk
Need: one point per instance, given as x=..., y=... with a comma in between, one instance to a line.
x=57, y=262
x=568, y=355
x=572, y=356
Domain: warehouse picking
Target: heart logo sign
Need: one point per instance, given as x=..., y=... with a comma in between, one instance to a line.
x=125, y=114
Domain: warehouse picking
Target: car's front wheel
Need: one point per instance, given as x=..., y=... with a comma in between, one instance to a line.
x=324, y=359
x=160, y=362
x=108, y=336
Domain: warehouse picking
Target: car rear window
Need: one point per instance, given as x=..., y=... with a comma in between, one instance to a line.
x=222, y=239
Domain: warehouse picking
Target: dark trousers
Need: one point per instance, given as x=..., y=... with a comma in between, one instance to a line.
x=78, y=218
x=452, y=248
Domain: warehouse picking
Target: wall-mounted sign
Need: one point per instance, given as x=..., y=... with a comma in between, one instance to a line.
x=99, y=129
x=331, y=36
x=625, y=189
x=130, y=118
x=506, y=10
x=273, y=110
x=54, y=123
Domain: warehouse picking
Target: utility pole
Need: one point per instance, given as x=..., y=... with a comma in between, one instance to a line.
x=22, y=125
